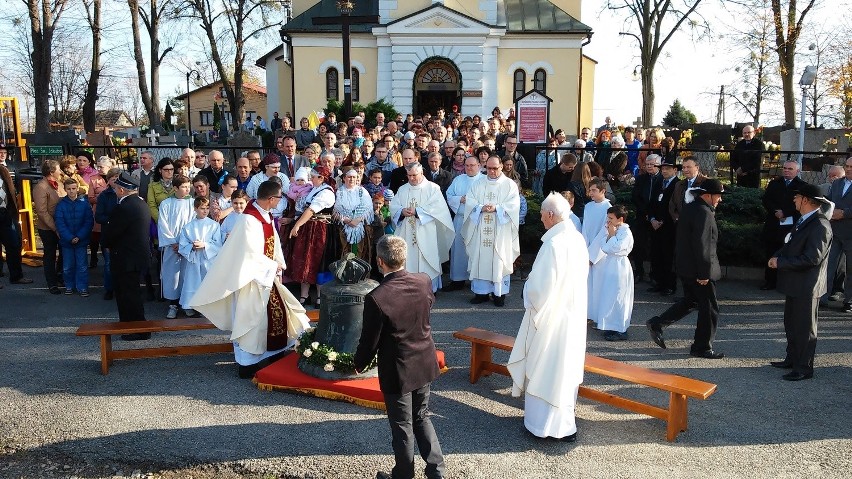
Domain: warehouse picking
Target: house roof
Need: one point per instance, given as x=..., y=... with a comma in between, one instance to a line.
x=304, y=23
x=261, y=62
x=102, y=117
x=248, y=86
x=517, y=16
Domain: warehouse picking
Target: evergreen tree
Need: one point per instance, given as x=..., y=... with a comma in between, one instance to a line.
x=678, y=115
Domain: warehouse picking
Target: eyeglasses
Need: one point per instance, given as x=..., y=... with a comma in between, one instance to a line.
x=167, y=169
x=277, y=197
x=511, y=142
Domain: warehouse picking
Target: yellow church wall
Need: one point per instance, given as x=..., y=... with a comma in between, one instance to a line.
x=285, y=86
x=562, y=84
x=587, y=93
x=310, y=80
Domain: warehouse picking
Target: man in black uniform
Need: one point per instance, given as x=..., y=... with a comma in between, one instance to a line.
x=698, y=267
x=126, y=237
x=663, y=231
x=642, y=194
x=801, y=264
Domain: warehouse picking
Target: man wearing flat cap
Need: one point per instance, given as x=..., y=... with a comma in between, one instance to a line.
x=801, y=264
x=697, y=265
x=126, y=236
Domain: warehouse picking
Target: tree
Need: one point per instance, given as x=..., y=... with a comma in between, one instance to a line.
x=232, y=23
x=787, y=31
x=93, y=18
x=43, y=15
x=656, y=22
x=678, y=115
x=152, y=18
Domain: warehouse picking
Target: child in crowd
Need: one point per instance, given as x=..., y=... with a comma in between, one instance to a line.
x=381, y=221
x=300, y=187
x=199, y=245
x=239, y=201
x=611, y=276
x=174, y=213
x=375, y=186
x=74, y=221
x=569, y=195
x=594, y=215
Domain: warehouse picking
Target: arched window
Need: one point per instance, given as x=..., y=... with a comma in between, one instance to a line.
x=356, y=84
x=331, y=81
x=540, y=80
x=520, y=83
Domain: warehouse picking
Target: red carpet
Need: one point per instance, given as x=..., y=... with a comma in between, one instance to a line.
x=285, y=375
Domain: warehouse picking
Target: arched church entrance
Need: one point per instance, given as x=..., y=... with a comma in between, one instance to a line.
x=437, y=84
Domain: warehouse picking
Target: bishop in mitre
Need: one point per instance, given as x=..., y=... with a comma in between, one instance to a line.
x=422, y=218
x=491, y=233
x=242, y=291
x=546, y=363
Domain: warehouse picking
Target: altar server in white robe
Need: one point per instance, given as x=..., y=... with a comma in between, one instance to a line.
x=546, y=363
x=456, y=200
x=239, y=201
x=174, y=213
x=491, y=233
x=199, y=244
x=242, y=291
x=611, y=283
x=422, y=218
x=594, y=213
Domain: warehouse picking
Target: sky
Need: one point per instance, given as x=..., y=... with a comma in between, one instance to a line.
x=690, y=72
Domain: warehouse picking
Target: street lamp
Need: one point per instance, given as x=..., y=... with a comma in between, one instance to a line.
x=188, y=109
x=808, y=79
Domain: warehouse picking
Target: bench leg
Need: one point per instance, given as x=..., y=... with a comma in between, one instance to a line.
x=106, y=352
x=677, y=416
x=480, y=355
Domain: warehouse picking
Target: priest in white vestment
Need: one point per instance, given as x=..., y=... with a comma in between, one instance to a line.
x=546, y=363
x=611, y=276
x=242, y=291
x=456, y=200
x=491, y=233
x=421, y=217
x=594, y=213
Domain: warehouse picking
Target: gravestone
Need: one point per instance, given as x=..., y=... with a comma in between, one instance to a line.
x=243, y=139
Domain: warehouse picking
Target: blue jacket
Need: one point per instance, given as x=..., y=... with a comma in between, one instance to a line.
x=107, y=201
x=74, y=219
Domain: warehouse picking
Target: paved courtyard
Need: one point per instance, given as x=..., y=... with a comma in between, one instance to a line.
x=192, y=417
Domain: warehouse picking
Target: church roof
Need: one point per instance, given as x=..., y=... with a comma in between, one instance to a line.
x=303, y=22
x=517, y=16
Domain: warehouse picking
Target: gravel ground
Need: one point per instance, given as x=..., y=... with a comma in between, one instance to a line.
x=191, y=417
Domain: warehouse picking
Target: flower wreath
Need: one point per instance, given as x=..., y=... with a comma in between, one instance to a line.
x=324, y=355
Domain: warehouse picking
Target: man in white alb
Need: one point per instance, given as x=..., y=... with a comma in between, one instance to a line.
x=422, y=218
x=491, y=233
x=546, y=363
x=457, y=201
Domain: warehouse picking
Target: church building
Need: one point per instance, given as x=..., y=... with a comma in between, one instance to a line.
x=426, y=54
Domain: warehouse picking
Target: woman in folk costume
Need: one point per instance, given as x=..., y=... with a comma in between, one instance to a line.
x=199, y=245
x=174, y=213
x=354, y=209
x=311, y=234
x=610, y=277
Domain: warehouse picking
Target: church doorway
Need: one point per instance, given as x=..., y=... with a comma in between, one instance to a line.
x=437, y=84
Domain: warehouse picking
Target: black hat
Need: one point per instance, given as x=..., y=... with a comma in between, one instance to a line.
x=126, y=181
x=666, y=162
x=811, y=191
x=709, y=186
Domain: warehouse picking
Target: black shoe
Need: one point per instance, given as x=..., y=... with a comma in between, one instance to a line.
x=247, y=372
x=656, y=331
x=847, y=308
x=654, y=289
x=767, y=287
x=708, y=354
x=453, y=286
x=571, y=438
x=782, y=364
x=667, y=292
x=796, y=376
x=136, y=336
x=615, y=336
x=55, y=290
x=151, y=295
x=500, y=301
x=108, y=296
x=383, y=475
x=479, y=299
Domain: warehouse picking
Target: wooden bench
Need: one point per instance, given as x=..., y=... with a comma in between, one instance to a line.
x=106, y=330
x=678, y=387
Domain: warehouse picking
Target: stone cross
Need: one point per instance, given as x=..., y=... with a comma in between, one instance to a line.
x=638, y=122
x=152, y=138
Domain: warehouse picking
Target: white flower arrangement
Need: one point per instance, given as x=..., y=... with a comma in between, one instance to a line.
x=328, y=367
x=308, y=353
x=315, y=345
x=323, y=355
x=332, y=356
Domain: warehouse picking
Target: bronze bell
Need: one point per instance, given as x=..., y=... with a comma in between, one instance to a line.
x=342, y=313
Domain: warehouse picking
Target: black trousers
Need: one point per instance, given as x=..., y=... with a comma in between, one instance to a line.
x=641, y=230
x=800, y=326
x=662, y=256
x=52, y=257
x=10, y=238
x=408, y=415
x=704, y=299
x=128, y=295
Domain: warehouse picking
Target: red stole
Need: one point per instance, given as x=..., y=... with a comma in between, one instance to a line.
x=276, y=314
